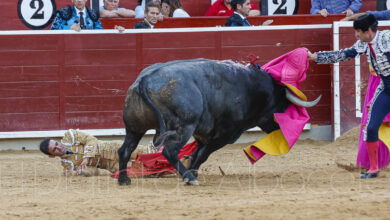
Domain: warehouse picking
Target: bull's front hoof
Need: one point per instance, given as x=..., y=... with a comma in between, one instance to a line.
x=191, y=182
x=124, y=180
x=190, y=179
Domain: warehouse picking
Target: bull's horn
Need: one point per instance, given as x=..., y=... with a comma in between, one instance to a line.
x=295, y=100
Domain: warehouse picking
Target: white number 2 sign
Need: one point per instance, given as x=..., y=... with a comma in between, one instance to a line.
x=36, y=14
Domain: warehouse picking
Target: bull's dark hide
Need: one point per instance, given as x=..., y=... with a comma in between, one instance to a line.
x=214, y=101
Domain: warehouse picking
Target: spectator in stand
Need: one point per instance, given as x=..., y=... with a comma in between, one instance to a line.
x=241, y=10
x=325, y=7
x=152, y=11
x=110, y=10
x=224, y=8
x=173, y=8
x=76, y=17
x=140, y=9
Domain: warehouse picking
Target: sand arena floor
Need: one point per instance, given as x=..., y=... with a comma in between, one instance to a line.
x=316, y=180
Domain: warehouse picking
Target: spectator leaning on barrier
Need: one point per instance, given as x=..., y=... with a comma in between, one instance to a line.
x=111, y=9
x=152, y=11
x=76, y=17
x=173, y=8
x=241, y=10
x=325, y=7
x=224, y=8
x=379, y=15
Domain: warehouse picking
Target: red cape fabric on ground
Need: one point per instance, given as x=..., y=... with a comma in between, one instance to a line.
x=154, y=163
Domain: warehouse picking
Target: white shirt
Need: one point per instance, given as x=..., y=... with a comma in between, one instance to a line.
x=83, y=11
x=118, y=9
x=180, y=13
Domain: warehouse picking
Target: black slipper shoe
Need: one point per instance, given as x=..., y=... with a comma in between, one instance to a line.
x=369, y=175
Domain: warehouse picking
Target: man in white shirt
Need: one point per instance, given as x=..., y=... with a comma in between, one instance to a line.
x=110, y=9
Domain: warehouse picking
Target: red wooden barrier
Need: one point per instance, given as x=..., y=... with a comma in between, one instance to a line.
x=62, y=81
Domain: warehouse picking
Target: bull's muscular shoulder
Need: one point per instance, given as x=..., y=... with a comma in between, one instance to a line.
x=157, y=66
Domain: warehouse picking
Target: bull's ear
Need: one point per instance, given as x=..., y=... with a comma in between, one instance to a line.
x=51, y=156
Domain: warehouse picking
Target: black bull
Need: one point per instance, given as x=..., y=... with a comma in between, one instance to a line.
x=213, y=101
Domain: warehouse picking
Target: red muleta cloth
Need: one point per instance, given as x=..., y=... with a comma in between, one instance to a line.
x=148, y=164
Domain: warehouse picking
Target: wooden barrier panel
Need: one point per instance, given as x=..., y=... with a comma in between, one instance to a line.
x=60, y=81
x=220, y=21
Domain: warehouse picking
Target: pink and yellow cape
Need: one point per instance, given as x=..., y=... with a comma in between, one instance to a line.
x=289, y=70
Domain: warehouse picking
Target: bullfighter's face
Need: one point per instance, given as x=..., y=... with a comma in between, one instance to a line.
x=56, y=148
x=365, y=36
x=79, y=4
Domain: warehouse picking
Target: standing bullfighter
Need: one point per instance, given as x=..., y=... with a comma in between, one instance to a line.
x=376, y=45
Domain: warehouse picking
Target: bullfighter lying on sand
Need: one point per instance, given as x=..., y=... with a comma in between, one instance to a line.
x=83, y=154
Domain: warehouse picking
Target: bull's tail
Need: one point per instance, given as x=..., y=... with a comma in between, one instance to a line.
x=144, y=95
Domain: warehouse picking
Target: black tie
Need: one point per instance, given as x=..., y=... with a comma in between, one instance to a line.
x=82, y=23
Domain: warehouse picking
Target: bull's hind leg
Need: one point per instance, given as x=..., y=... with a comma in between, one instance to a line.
x=199, y=147
x=202, y=155
x=173, y=141
x=129, y=145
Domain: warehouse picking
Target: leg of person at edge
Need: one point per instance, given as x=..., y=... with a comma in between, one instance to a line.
x=83, y=154
x=376, y=45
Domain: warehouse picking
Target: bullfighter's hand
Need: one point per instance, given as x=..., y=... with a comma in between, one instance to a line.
x=69, y=172
x=83, y=165
x=311, y=56
x=323, y=12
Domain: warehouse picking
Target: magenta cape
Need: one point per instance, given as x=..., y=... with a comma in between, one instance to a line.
x=289, y=70
x=383, y=152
